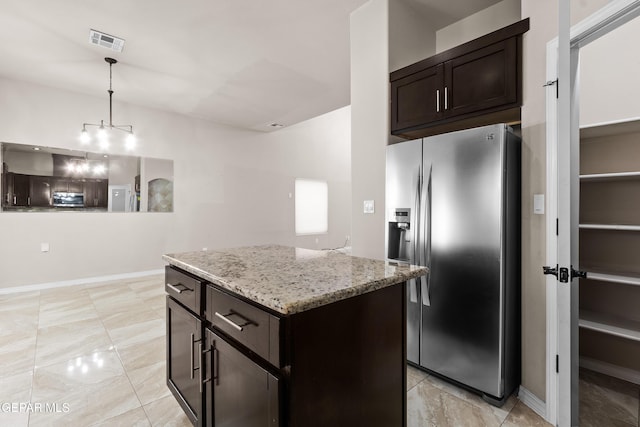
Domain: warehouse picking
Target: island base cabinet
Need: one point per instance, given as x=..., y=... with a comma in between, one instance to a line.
x=184, y=343
x=242, y=394
x=348, y=362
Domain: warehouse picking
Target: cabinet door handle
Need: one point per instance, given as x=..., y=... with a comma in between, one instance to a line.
x=192, y=370
x=14, y=200
x=437, y=100
x=216, y=360
x=202, y=353
x=231, y=322
x=446, y=98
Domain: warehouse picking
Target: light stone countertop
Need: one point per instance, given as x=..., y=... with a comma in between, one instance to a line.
x=291, y=280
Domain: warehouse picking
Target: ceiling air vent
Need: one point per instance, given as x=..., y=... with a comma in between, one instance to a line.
x=105, y=40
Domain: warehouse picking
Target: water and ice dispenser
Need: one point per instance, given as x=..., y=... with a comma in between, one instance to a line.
x=399, y=242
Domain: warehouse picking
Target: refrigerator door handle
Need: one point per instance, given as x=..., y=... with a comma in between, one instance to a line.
x=426, y=299
x=413, y=290
x=415, y=259
x=426, y=241
x=414, y=283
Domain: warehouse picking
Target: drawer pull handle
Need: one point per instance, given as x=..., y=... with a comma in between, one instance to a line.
x=231, y=322
x=178, y=290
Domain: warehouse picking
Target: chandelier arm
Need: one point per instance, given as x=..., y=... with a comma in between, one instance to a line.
x=125, y=128
x=110, y=125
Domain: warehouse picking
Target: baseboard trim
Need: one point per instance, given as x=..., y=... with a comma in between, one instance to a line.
x=532, y=401
x=610, y=369
x=75, y=282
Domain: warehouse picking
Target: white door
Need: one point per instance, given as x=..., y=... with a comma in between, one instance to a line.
x=563, y=164
x=119, y=198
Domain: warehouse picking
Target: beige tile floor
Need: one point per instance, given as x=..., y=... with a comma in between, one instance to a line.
x=94, y=355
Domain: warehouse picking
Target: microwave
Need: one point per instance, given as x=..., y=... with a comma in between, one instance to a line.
x=71, y=200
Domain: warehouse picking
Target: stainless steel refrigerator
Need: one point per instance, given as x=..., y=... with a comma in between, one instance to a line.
x=453, y=205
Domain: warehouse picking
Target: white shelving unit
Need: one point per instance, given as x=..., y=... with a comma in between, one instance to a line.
x=619, y=227
x=612, y=325
x=610, y=184
x=614, y=278
x=608, y=176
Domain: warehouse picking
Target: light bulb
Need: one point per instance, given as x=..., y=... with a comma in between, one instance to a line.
x=103, y=137
x=84, y=136
x=130, y=141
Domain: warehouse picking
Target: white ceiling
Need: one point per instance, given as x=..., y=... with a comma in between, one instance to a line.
x=245, y=63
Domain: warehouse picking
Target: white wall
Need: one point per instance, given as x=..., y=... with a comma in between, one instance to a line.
x=231, y=187
x=411, y=39
x=490, y=19
x=29, y=162
x=123, y=170
x=369, y=123
x=608, y=72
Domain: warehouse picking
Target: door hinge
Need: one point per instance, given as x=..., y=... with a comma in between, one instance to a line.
x=551, y=83
x=578, y=273
x=557, y=363
x=562, y=273
x=550, y=270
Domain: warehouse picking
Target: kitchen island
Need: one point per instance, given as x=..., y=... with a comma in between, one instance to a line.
x=281, y=336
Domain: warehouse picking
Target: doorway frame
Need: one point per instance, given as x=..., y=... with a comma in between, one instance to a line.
x=605, y=20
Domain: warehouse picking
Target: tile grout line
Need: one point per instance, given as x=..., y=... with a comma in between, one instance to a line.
x=35, y=350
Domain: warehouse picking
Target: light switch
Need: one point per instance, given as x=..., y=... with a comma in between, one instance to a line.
x=44, y=247
x=369, y=206
x=538, y=204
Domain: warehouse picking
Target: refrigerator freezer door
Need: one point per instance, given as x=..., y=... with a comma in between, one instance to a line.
x=403, y=182
x=462, y=235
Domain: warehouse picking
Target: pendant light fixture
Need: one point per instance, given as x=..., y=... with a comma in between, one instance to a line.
x=104, y=129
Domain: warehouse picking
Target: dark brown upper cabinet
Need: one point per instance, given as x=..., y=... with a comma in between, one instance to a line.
x=474, y=84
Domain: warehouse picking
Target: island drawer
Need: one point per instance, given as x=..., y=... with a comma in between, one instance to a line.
x=254, y=328
x=184, y=288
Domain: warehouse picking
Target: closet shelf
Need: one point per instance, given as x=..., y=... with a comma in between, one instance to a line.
x=619, y=227
x=614, y=278
x=609, y=176
x=611, y=325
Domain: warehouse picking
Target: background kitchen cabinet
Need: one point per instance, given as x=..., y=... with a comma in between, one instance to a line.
x=610, y=249
x=483, y=79
x=40, y=191
x=19, y=189
x=68, y=185
x=416, y=99
x=479, y=82
x=5, y=186
x=96, y=193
